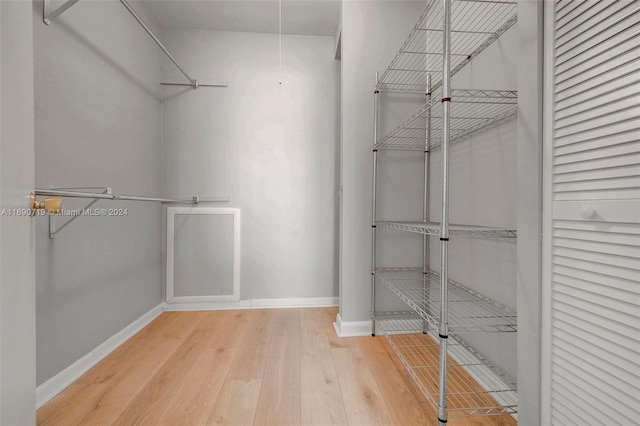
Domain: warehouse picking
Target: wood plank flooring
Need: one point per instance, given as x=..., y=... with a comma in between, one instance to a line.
x=244, y=367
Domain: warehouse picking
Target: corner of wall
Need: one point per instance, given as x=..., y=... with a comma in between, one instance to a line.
x=56, y=384
x=530, y=93
x=17, y=260
x=351, y=328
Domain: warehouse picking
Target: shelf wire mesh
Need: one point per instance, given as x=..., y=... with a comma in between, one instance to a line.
x=469, y=311
x=379, y=315
x=475, y=25
x=472, y=112
x=475, y=387
x=459, y=231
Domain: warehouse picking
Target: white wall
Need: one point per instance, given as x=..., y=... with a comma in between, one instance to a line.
x=269, y=146
x=530, y=42
x=372, y=32
x=98, y=112
x=17, y=256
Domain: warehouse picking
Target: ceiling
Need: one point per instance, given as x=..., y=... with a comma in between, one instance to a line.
x=300, y=17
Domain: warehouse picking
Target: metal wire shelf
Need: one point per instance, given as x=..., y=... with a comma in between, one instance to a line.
x=380, y=315
x=475, y=387
x=469, y=311
x=475, y=25
x=472, y=112
x=461, y=231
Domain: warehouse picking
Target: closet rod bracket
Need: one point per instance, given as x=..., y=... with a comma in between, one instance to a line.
x=48, y=17
x=52, y=217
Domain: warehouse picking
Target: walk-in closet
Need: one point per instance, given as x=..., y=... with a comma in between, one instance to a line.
x=319, y=212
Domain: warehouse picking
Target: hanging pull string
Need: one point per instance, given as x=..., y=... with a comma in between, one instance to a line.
x=280, y=36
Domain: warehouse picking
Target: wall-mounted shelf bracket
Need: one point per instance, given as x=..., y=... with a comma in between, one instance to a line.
x=52, y=217
x=49, y=16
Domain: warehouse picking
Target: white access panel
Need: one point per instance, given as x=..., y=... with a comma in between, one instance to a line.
x=203, y=255
x=591, y=328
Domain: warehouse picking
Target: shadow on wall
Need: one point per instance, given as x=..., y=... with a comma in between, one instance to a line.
x=99, y=53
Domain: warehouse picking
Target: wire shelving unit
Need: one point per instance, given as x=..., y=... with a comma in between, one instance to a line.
x=461, y=231
x=475, y=387
x=469, y=311
x=454, y=377
x=475, y=25
x=472, y=112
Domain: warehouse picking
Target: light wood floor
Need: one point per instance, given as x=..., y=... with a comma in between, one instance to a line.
x=270, y=366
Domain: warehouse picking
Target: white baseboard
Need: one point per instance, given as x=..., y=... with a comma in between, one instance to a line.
x=352, y=328
x=49, y=389
x=319, y=302
x=256, y=304
x=206, y=306
x=182, y=300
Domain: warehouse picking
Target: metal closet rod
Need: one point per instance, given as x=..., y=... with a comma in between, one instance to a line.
x=49, y=17
x=109, y=196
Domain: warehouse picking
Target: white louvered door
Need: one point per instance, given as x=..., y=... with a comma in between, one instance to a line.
x=591, y=371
